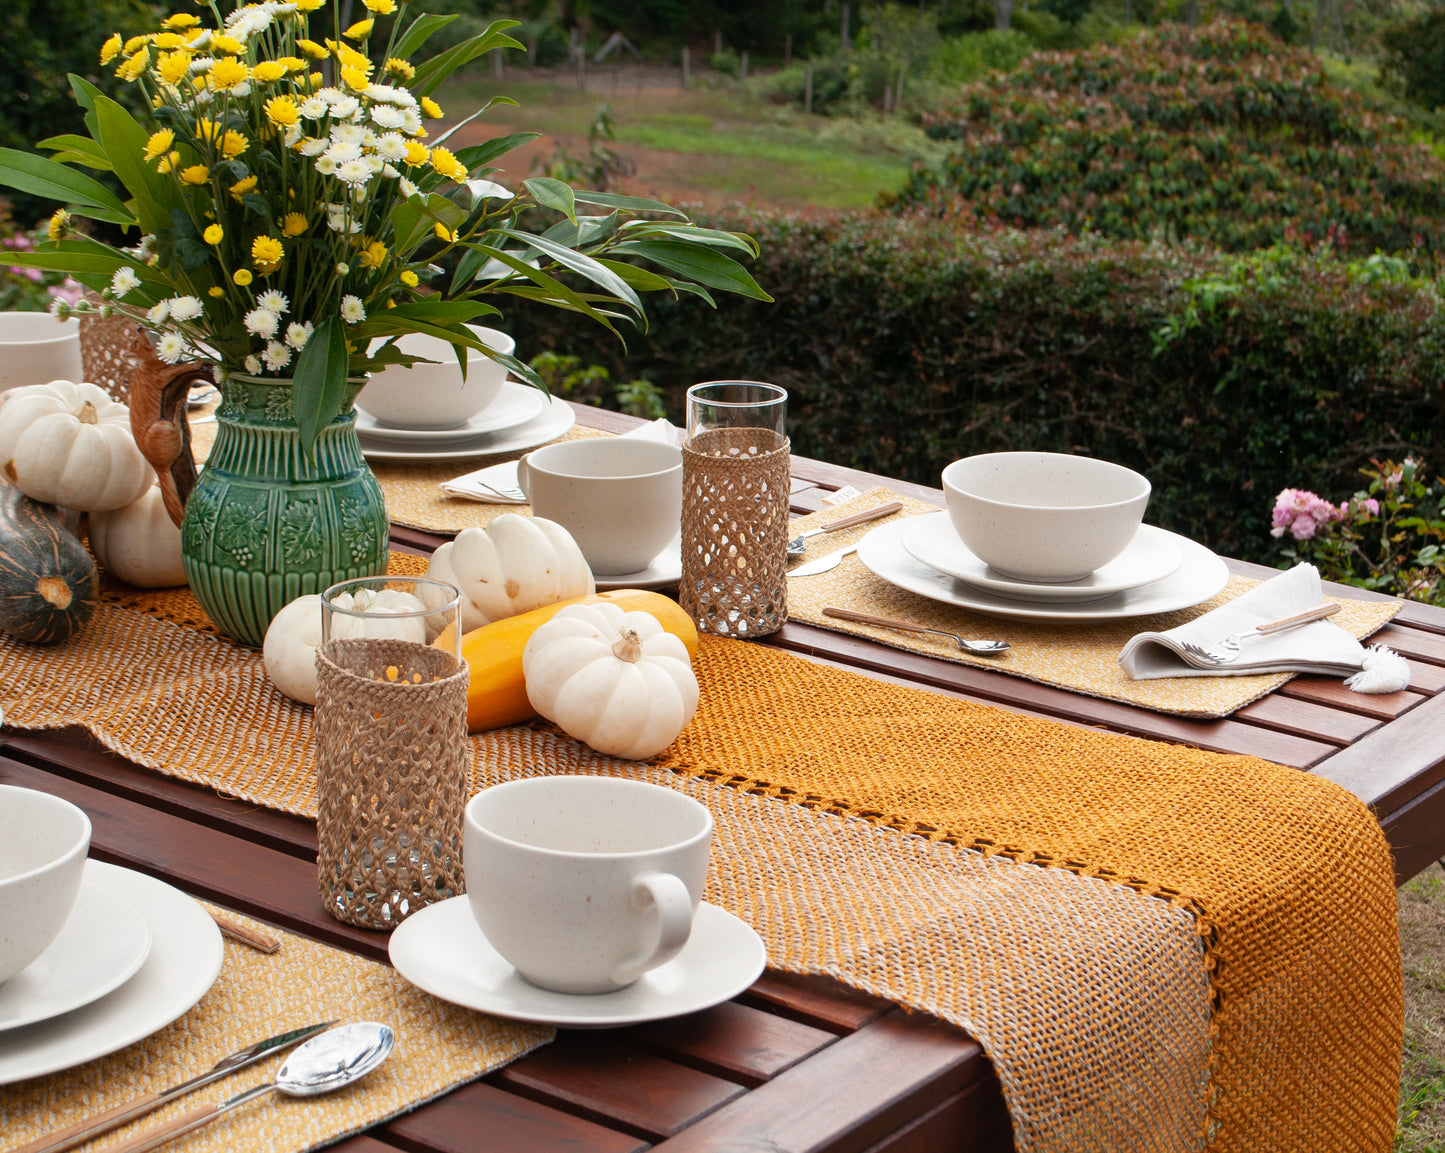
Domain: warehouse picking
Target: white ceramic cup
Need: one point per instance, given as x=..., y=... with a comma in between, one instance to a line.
x=44, y=841
x=431, y=394
x=35, y=348
x=619, y=497
x=585, y=883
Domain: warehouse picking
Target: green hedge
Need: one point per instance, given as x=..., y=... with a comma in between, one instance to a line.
x=906, y=343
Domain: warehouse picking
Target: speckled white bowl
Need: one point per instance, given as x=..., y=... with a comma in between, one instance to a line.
x=1044, y=516
x=43, y=845
x=434, y=395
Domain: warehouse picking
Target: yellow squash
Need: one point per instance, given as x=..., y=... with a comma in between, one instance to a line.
x=497, y=694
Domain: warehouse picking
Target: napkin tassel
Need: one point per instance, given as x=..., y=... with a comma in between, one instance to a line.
x=1382, y=671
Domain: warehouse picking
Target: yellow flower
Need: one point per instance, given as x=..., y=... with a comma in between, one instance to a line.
x=226, y=74
x=312, y=49
x=349, y=56
x=134, y=66
x=195, y=174
x=242, y=276
x=59, y=224
x=159, y=142
x=134, y=44
x=360, y=30
x=380, y=7
x=294, y=224
x=168, y=163
x=292, y=63
x=392, y=304
x=308, y=5
x=317, y=79
x=174, y=66
x=269, y=71
x=399, y=67
x=266, y=253
x=410, y=278
x=181, y=21
x=216, y=291
x=233, y=144
x=416, y=153
x=209, y=130
x=355, y=79
x=111, y=48
x=241, y=187
x=443, y=232
x=213, y=234
x=167, y=40
x=220, y=42
x=282, y=110
x=373, y=255
x=430, y=107
x=448, y=165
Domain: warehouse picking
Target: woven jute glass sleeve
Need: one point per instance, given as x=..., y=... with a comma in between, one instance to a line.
x=391, y=778
x=735, y=531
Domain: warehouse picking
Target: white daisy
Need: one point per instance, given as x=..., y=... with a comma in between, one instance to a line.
x=391, y=146
x=313, y=147
x=262, y=322
x=240, y=90
x=330, y=95
x=325, y=165
x=298, y=334
x=352, y=310
x=389, y=172
x=292, y=135
x=342, y=268
x=124, y=280
x=413, y=122
x=353, y=172
x=186, y=308
x=387, y=116
x=201, y=63
x=391, y=95
x=171, y=348
x=253, y=365
x=274, y=301
x=277, y=356
x=341, y=151
x=159, y=313
x=350, y=134
x=345, y=107
x=314, y=108
x=408, y=189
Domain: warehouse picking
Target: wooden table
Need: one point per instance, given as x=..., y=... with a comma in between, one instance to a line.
x=794, y=1063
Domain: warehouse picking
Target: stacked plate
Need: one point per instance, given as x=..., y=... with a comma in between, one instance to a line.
x=520, y=418
x=1158, y=572
x=134, y=955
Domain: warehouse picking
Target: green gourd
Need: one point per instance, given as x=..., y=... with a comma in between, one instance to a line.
x=48, y=585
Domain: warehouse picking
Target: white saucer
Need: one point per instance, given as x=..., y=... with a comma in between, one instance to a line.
x=442, y=951
x=1151, y=556
x=664, y=571
x=516, y=404
x=185, y=957
x=100, y=946
x=554, y=420
x=1199, y=576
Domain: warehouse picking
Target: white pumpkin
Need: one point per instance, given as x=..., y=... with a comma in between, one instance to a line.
x=613, y=679
x=71, y=445
x=514, y=565
x=139, y=543
x=289, y=650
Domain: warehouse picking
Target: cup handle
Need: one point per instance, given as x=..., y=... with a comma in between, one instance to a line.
x=674, y=924
x=524, y=477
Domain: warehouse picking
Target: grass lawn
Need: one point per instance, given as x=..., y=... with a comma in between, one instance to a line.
x=1422, y=951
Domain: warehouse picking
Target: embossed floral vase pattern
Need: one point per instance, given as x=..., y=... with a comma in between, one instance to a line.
x=265, y=522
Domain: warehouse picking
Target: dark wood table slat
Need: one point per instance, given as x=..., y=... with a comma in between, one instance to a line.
x=1365, y=706
x=817, y=1001
x=978, y=1111
x=733, y=1041
x=1414, y=831
x=481, y=1117
x=1307, y=719
x=1396, y=762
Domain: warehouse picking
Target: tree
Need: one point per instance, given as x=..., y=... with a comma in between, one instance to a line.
x=1414, y=59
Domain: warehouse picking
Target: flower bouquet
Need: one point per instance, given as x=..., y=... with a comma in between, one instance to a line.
x=293, y=216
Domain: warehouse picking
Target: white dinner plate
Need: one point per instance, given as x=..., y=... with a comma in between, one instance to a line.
x=664, y=571
x=515, y=405
x=100, y=946
x=553, y=421
x=185, y=957
x=442, y=951
x=1199, y=576
x=1151, y=556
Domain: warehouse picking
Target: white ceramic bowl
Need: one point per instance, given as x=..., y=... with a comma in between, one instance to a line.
x=35, y=348
x=43, y=845
x=1044, y=516
x=433, y=396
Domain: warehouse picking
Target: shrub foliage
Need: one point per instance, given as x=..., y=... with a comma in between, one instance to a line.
x=1221, y=134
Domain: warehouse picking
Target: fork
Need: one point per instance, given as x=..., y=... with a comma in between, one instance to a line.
x=1227, y=650
x=511, y=492
x=799, y=544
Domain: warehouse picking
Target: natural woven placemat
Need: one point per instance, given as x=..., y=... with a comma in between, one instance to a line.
x=1080, y=656
x=438, y=1046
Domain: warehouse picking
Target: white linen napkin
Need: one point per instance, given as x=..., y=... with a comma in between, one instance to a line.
x=489, y=484
x=1319, y=647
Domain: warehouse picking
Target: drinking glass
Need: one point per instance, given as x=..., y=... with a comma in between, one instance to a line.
x=735, y=480
x=391, y=748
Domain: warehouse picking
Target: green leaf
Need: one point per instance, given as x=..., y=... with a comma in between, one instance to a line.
x=581, y=264
x=584, y=232
x=553, y=194
x=478, y=154
x=556, y=293
x=320, y=382
x=647, y=229
x=696, y=263
x=429, y=76
x=628, y=203
x=642, y=279
x=258, y=204
x=411, y=222
x=85, y=91
x=467, y=268
x=44, y=177
x=73, y=149
x=419, y=32
x=124, y=141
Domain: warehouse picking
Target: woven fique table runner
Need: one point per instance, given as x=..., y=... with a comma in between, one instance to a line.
x=1159, y=948
x=438, y=1046
x=1082, y=657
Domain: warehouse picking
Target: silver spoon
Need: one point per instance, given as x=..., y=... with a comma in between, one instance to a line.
x=799, y=544
x=330, y=1060
x=978, y=648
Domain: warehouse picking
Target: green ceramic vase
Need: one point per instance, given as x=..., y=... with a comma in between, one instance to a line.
x=265, y=523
